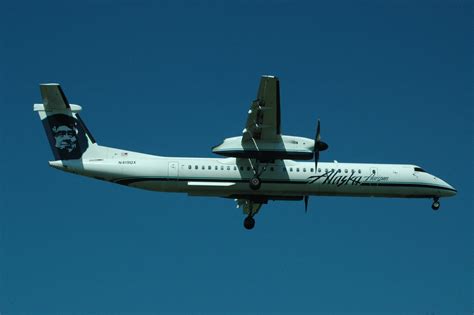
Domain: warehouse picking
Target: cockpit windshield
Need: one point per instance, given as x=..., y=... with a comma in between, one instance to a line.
x=419, y=169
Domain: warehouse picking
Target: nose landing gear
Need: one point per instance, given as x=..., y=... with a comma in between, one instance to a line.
x=435, y=206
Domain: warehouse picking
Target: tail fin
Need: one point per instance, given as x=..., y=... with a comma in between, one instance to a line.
x=68, y=136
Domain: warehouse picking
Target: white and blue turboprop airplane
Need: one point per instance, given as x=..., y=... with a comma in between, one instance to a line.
x=259, y=166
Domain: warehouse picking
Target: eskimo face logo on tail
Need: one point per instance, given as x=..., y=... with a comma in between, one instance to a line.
x=66, y=136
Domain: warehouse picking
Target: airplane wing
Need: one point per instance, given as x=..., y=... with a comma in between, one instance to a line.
x=263, y=121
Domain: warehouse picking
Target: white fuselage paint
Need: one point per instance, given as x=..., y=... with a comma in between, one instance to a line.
x=228, y=177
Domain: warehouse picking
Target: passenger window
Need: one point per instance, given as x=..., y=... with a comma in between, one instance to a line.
x=209, y=167
x=319, y=170
x=291, y=169
x=284, y=169
x=217, y=168
x=203, y=167
x=304, y=170
x=235, y=168
x=190, y=167
x=241, y=168
x=222, y=167
x=272, y=169
x=360, y=171
x=228, y=168
x=196, y=167
x=373, y=172
x=248, y=168
x=326, y=170
x=345, y=171
x=297, y=169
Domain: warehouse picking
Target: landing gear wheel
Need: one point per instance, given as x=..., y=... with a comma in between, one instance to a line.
x=435, y=206
x=255, y=183
x=249, y=223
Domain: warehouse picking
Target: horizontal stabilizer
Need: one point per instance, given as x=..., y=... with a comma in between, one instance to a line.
x=40, y=107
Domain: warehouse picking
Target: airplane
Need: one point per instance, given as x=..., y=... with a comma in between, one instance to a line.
x=260, y=165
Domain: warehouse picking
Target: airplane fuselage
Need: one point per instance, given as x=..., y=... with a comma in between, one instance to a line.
x=281, y=179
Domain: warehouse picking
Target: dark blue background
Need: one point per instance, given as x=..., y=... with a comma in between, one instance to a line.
x=392, y=82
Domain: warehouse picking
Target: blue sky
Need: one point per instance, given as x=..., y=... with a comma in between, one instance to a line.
x=391, y=81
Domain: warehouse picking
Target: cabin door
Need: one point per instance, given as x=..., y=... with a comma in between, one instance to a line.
x=173, y=170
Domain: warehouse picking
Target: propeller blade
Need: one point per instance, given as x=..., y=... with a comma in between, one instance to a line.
x=306, y=199
x=318, y=132
x=316, y=159
x=317, y=140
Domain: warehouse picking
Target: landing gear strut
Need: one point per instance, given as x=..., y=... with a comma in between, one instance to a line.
x=435, y=206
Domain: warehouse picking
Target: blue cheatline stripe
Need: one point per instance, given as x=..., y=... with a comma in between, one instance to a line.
x=407, y=185
x=132, y=180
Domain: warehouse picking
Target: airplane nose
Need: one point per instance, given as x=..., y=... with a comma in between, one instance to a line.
x=450, y=190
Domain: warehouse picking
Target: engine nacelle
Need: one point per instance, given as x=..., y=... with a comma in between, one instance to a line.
x=284, y=147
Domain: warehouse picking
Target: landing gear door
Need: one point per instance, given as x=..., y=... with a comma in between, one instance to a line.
x=173, y=170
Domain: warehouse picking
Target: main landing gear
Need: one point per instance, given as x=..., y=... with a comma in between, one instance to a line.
x=250, y=208
x=435, y=206
x=249, y=222
x=255, y=182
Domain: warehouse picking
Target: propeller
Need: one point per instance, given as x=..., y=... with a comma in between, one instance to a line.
x=318, y=146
